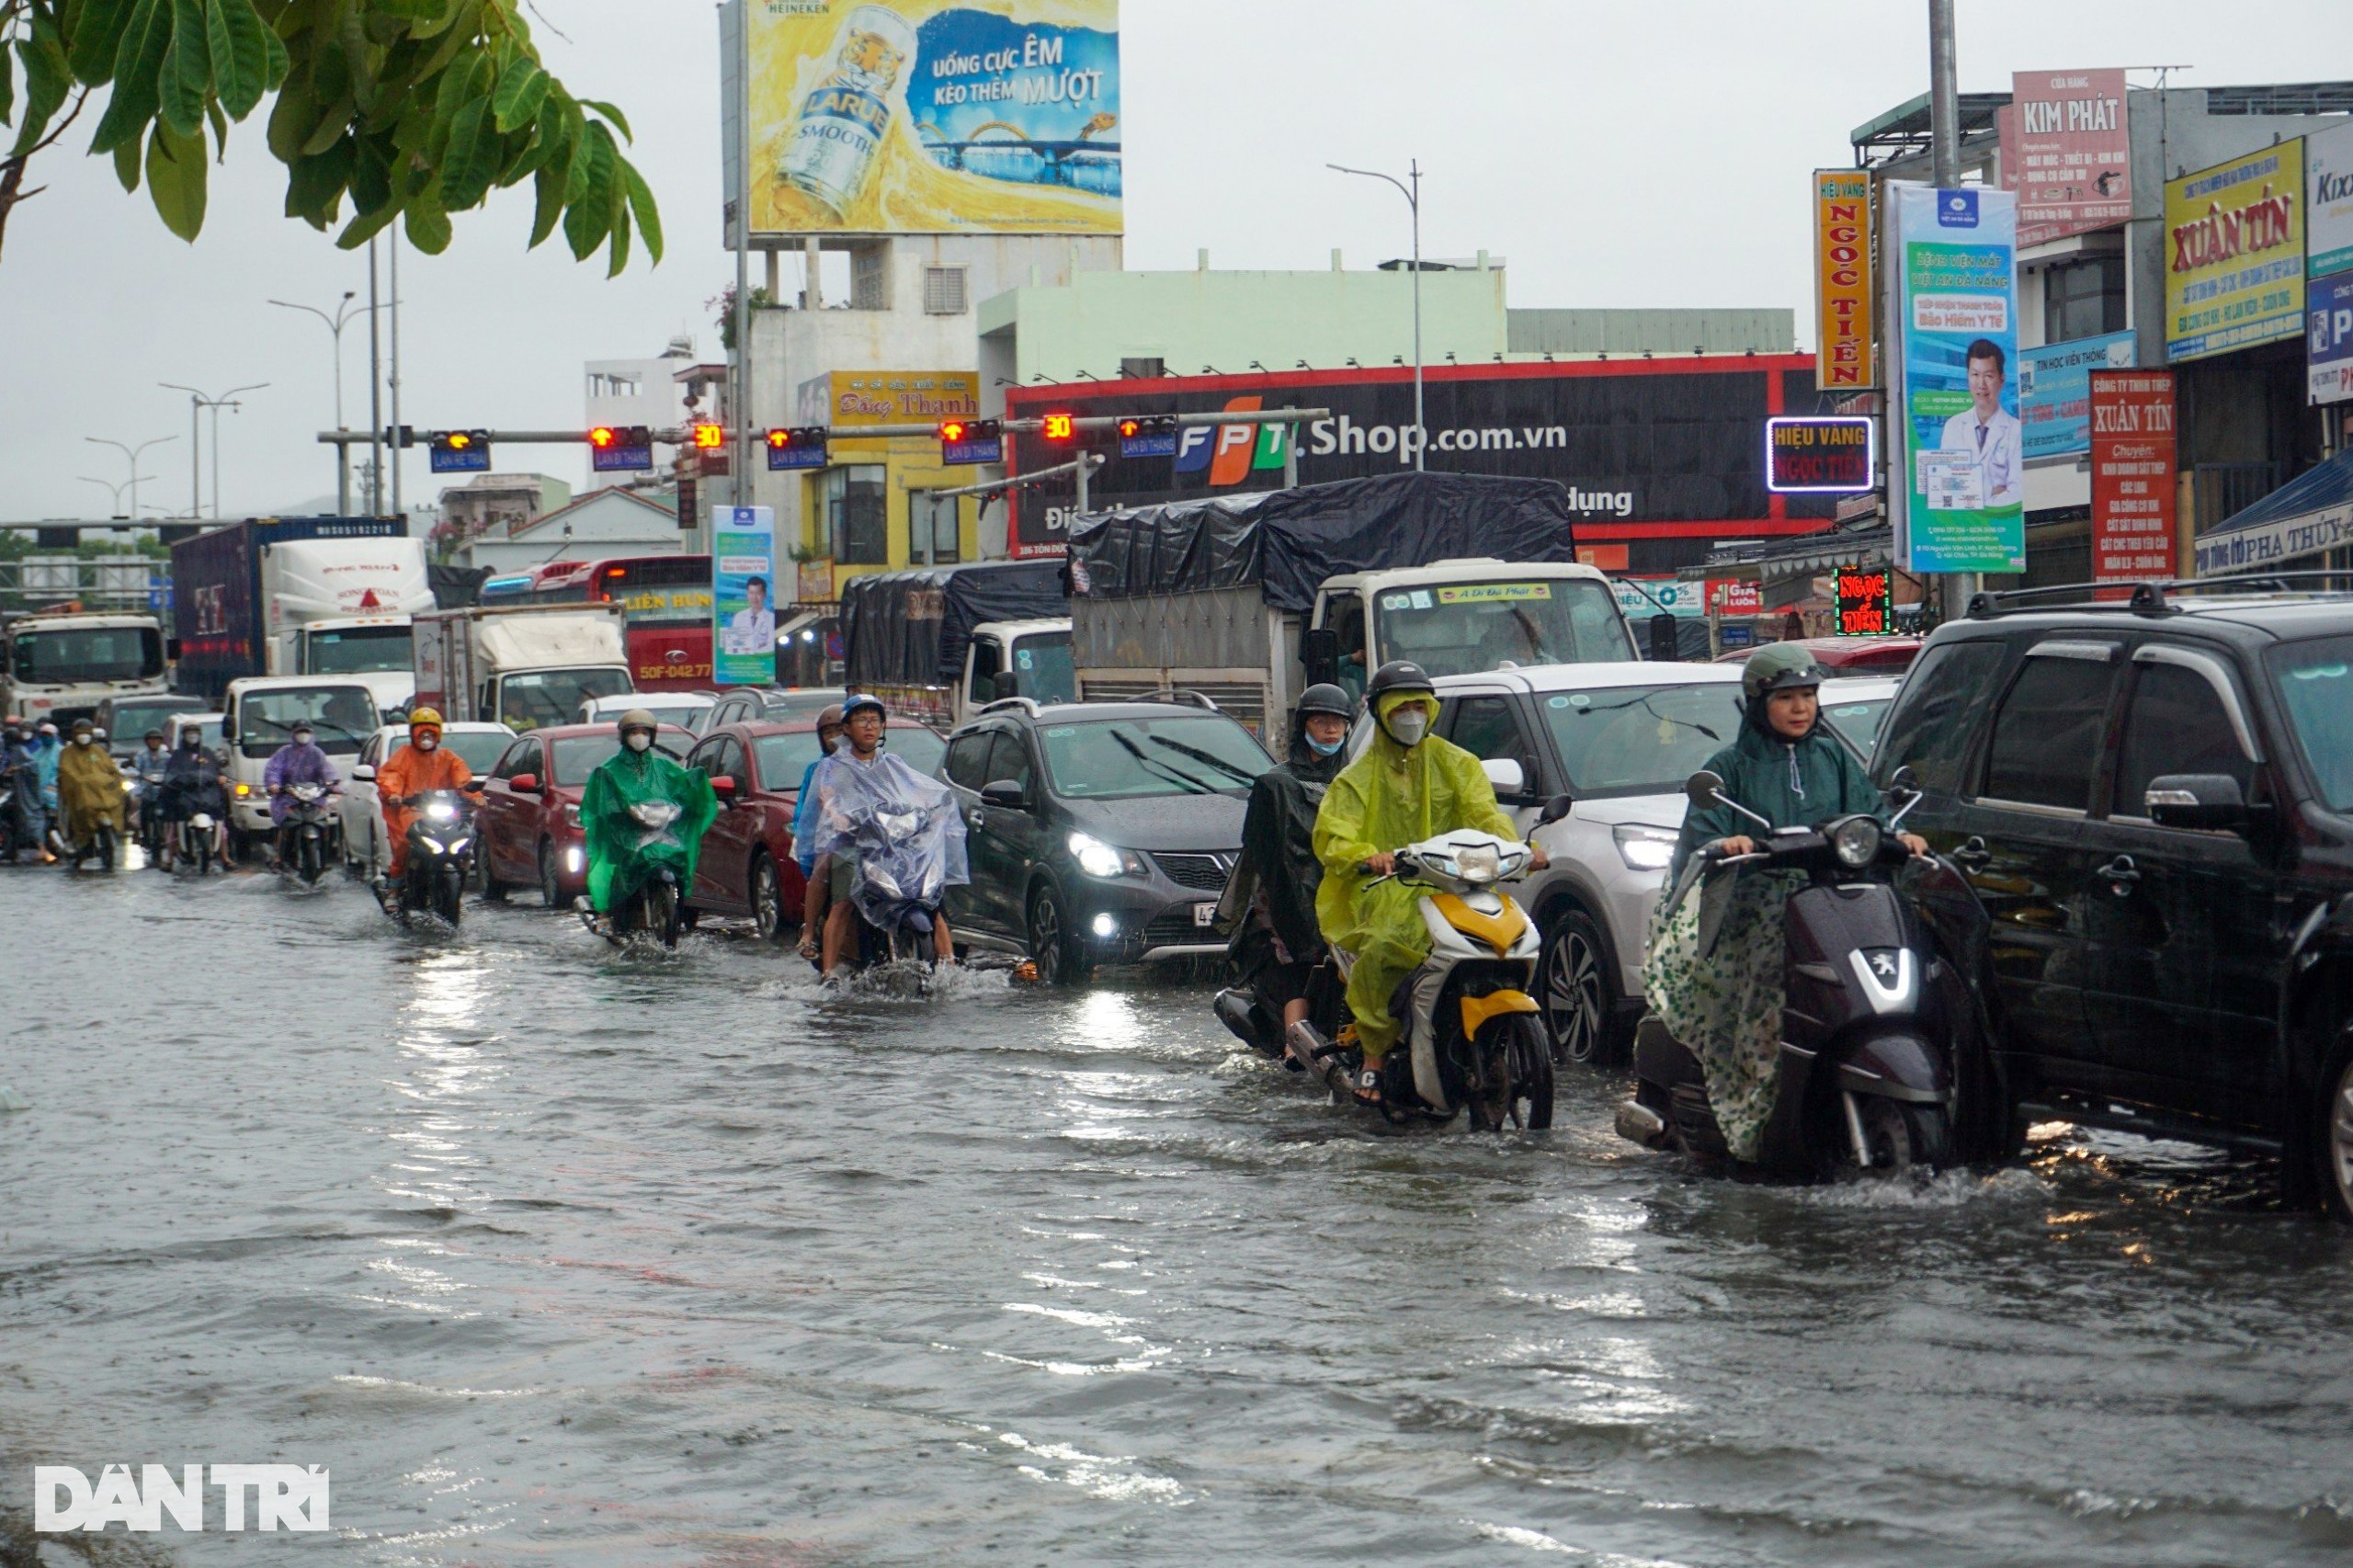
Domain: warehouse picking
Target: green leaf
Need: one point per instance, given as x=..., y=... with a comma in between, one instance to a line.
x=175, y=177
x=332, y=124
x=548, y=204
x=619, y=253
x=187, y=77
x=137, y=63
x=609, y=112
x=314, y=184
x=589, y=216
x=277, y=62
x=126, y=165
x=371, y=174
x=240, y=44
x=465, y=12
x=473, y=159
x=48, y=80
x=97, y=32
x=292, y=119
x=522, y=88
x=641, y=204
x=427, y=225
x=219, y=123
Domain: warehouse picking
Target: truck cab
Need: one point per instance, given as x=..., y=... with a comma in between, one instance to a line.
x=258, y=716
x=379, y=649
x=61, y=666
x=1032, y=657
x=1463, y=617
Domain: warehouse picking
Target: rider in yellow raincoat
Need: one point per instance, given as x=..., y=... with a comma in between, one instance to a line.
x=1408, y=785
x=89, y=789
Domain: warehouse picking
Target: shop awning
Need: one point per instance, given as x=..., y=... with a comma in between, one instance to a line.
x=1806, y=555
x=2308, y=515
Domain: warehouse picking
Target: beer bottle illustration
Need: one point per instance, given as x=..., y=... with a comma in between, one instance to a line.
x=839, y=134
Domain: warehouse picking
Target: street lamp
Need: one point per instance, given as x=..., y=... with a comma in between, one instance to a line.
x=197, y=400
x=344, y=312
x=131, y=485
x=131, y=461
x=1413, y=195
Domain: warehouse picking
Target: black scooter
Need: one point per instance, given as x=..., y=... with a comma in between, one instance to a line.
x=1871, y=1025
x=440, y=848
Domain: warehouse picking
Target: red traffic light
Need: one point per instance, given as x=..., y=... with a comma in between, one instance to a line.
x=779, y=439
x=1131, y=427
x=604, y=438
x=1059, y=427
x=710, y=438
x=953, y=430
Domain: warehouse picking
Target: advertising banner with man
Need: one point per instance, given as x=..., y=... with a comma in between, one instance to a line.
x=934, y=115
x=1956, y=448
x=743, y=595
x=2234, y=254
x=2132, y=475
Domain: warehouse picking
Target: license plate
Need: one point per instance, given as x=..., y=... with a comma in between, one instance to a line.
x=1205, y=915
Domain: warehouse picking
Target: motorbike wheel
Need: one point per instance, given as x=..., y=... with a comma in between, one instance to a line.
x=203, y=854
x=660, y=913
x=1529, y=1056
x=449, y=889
x=1580, y=1002
x=764, y=893
x=492, y=890
x=307, y=864
x=1901, y=1138
x=1061, y=959
x=105, y=845
x=1491, y=1102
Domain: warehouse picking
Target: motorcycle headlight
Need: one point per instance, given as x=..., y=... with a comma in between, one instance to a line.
x=1478, y=864
x=1644, y=848
x=1856, y=842
x=1098, y=858
x=441, y=811
x=432, y=843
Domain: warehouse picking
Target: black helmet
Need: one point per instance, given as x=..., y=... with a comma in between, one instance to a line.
x=1325, y=697
x=1398, y=674
x=155, y=734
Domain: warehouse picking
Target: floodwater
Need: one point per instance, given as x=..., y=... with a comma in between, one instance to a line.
x=553, y=1255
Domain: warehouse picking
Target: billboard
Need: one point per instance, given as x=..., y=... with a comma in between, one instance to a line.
x=2234, y=254
x=2328, y=346
x=1955, y=449
x=888, y=397
x=1866, y=601
x=2132, y=475
x=1841, y=279
x=743, y=595
x=2066, y=152
x=919, y=117
x=2328, y=200
x=2055, y=390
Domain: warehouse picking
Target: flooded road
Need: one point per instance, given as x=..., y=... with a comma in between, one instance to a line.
x=557, y=1256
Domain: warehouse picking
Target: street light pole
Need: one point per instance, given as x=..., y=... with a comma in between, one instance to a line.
x=1413, y=195
x=130, y=459
x=1944, y=159
x=197, y=400
x=131, y=485
x=375, y=397
x=335, y=324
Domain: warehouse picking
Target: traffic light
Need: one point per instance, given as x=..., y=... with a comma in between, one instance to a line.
x=798, y=446
x=620, y=447
x=460, y=451
x=972, y=441
x=1148, y=435
x=1059, y=427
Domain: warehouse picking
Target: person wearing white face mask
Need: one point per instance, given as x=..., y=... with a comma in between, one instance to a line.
x=622, y=856
x=89, y=792
x=414, y=769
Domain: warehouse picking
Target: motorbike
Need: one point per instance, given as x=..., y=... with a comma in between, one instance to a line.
x=304, y=836
x=441, y=844
x=1870, y=1023
x=147, y=808
x=898, y=884
x=651, y=911
x=20, y=823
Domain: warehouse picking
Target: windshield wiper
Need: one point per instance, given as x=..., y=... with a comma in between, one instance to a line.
x=1197, y=754
x=1160, y=770
x=1644, y=704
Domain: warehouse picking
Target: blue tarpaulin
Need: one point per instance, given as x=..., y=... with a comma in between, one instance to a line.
x=2310, y=514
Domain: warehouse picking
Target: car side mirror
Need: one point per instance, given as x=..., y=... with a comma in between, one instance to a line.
x=1556, y=808
x=524, y=784
x=2205, y=802
x=1005, y=795
x=1003, y=683
x=1319, y=655
x=1703, y=787
x=1904, y=781
x=1665, y=647
x=363, y=773
x=724, y=786
x=1510, y=780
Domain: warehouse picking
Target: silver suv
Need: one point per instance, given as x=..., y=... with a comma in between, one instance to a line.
x=1619, y=739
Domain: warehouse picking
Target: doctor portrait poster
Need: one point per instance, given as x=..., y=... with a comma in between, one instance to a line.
x=743, y=595
x=1962, y=447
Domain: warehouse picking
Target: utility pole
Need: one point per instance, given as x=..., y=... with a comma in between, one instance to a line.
x=196, y=400
x=335, y=324
x=130, y=459
x=375, y=397
x=393, y=258
x=1944, y=157
x=1413, y=195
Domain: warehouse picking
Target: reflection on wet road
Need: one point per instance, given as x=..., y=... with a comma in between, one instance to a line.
x=553, y=1255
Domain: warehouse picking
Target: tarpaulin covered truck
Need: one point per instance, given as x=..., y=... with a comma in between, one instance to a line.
x=522, y=665
x=1248, y=599
x=932, y=642
x=223, y=586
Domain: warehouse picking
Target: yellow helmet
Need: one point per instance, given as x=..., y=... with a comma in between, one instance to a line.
x=423, y=716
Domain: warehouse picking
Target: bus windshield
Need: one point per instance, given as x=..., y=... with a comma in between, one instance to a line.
x=69, y=655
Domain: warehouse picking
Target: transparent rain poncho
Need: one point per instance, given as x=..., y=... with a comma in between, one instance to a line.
x=900, y=831
x=640, y=811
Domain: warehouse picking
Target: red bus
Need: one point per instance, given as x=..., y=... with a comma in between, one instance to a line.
x=666, y=603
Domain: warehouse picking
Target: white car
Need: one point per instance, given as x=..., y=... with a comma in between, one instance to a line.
x=357, y=813
x=1619, y=739
x=1857, y=706
x=690, y=711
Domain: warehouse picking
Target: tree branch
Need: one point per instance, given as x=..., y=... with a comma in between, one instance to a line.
x=12, y=169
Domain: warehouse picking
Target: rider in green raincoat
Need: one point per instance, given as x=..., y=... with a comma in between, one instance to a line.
x=1408, y=785
x=622, y=850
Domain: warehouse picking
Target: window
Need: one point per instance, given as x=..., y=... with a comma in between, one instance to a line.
x=342, y=717
x=943, y=292
x=1638, y=739
x=1008, y=759
x=2047, y=737
x=931, y=527
x=856, y=513
x=2315, y=680
x=1205, y=753
x=706, y=758
x=988, y=658
x=1489, y=730
x=2083, y=299
x=784, y=758
x=1938, y=715
x=1463, y=628
x=869, y=287
x=523, y=756
x=2177, y=724
x=968, y=757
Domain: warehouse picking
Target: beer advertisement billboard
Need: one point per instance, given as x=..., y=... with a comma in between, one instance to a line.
x=1955, y=449
x=1841, y=279
x=2234, y=254
x=2328, y=209
x=922, y=117
x=2067, y=153
x=2132, y=475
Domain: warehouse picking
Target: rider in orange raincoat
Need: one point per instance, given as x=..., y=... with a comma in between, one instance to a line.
x=419, y=766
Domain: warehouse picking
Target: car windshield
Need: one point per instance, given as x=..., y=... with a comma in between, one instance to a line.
x=2315, y=683
x=1639, y=740
x=1451, y=628
x=133, y=720
x=342, y=716
x=577, y=756
x=88, y=654
x=537, y=698
x=1858, y=720
x=922, y=749
x=686, y=715
x=359, y=649
x=1118, y=759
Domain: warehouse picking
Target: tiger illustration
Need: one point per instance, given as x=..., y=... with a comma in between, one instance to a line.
x=871, y=56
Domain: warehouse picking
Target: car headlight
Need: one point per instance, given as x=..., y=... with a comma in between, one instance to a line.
x=1098, y=858
x=1644, y=848
x=1856, y=842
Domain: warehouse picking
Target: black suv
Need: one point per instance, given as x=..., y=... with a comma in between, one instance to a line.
x=1098, y=831
x=2152, y=798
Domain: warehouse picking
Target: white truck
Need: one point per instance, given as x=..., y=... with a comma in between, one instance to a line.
x=60, y=665
x=525, y=667
x=344, y=606
x=259, y=715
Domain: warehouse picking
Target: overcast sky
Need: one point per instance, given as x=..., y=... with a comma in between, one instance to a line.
x=1617, y=155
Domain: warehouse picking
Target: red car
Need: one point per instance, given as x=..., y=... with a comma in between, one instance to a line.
x=1849, y=655
x=527, y=825
x=747, y=867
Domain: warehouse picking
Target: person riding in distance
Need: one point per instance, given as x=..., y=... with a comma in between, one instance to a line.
x=1269, y=903
x=1721, y=993
x=192, y=784
x=89, y=790
x=1408, y=785
x=419, y=766
x=863, y=721
x=298, y=761
x=20, y=769
x=818, y=887
x=621, y=857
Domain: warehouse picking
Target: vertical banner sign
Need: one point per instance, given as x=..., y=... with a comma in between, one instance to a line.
x=2067, y=153
x=2132, y=475
x=2328, y=211
x=743, y=595
x=1842, y=279
x=1866, y=601
x=2329, y=314
x=1955, y=449
x=2234, y=254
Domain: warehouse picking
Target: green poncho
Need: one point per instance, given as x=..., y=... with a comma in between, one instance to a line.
x=1387, y=799
x=622, y=851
